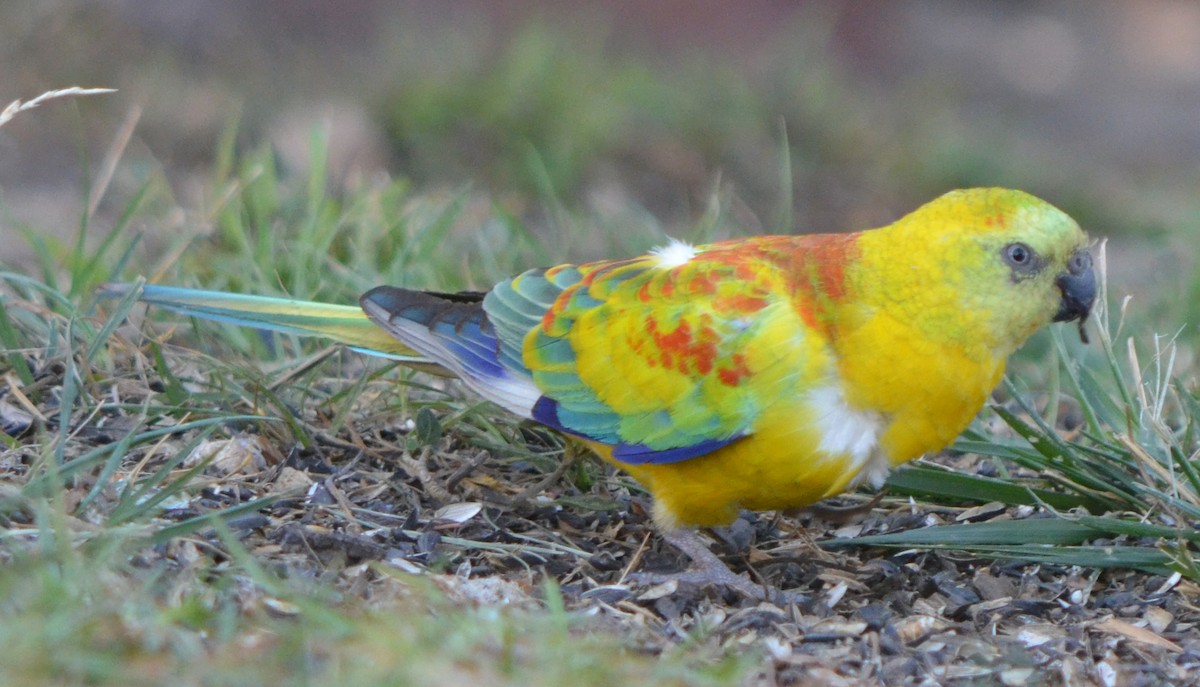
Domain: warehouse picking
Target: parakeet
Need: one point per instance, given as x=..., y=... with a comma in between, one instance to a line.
x=759, y=373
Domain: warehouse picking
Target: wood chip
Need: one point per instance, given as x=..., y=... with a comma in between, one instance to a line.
x=1016, y=676
x=1135, y=633
x=991, y=587
x=659, y=591
x=290, y=479
x=837, y=626
x=1037, y=635
x=281, y=608
x=1108, y=673
x=1158, y=618
x=917, y=627
x=484, y=591
x=240, y=455
x=457, y=512
x=980, y=513
x=849, y=531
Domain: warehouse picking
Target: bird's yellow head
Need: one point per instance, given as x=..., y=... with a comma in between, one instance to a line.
x=988, y=266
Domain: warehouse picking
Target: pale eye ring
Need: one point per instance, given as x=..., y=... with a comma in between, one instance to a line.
x=1018, y=255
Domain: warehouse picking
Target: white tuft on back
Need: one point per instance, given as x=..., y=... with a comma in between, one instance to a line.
x=675, y=253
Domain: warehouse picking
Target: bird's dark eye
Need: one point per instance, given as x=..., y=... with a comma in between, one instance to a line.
x=1018, y=255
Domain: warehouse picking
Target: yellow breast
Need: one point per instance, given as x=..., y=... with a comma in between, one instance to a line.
x=894, y=400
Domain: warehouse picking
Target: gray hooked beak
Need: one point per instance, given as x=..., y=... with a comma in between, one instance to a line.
x=1078, y=287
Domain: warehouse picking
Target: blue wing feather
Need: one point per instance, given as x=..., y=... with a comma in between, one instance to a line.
x=547, y=411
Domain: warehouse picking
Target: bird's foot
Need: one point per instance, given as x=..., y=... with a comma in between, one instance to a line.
x=707, y=570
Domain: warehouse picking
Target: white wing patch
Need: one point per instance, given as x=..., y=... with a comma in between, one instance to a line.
x=848, y=432
x=675, y=253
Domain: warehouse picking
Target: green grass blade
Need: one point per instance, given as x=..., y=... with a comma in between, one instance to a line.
x=1059, y=457
x=13, y=345
x=1136, y=528
x=1057, y=540
x=783, y=223
x=1048, y=531
x=90, y=272
x=118, y=315
x=939, y=484
x=118, y=453
x=39, y=485
x=1145, y=559
x=141, y=499
x=184, y=528
x=69, y=393
x=173, y=389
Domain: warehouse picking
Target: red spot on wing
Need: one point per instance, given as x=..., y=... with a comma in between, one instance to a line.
x=739, y=303
x=551, y=315
x=556, y=309
x=686, y=349
x=644, y=294
x=733, y=373
x=703, y=282
x=675, y=341
x=702, y=355
x=808, y=315
x=744, y=271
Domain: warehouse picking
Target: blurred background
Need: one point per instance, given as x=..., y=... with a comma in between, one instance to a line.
x=797, y=116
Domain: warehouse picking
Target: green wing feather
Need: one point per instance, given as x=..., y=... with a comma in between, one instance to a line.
x=648, y=359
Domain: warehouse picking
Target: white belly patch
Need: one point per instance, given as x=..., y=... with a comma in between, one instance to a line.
x=852, y=433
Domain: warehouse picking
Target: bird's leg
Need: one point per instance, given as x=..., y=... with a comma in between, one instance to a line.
x=707, y=569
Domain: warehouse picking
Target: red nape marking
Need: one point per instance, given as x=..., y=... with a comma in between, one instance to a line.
x=823, y=260
x=817, y=266
x=831, y=264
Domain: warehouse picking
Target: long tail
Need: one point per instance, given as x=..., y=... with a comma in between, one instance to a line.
x=344, y=324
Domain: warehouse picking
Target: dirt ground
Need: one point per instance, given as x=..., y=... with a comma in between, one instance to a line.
x=489, y=530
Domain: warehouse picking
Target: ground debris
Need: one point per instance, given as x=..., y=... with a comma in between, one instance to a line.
x=378, y=503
